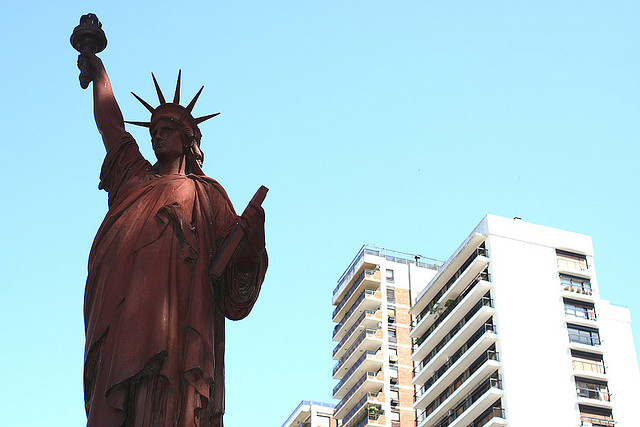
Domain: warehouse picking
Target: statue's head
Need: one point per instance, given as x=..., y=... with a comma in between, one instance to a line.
x=172, y=117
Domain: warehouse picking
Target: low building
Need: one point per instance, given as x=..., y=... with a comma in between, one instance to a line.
x=311, y=414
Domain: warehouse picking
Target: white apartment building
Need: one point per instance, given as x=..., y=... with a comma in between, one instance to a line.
x=512, y=331
x=373, y=349
x=310, y=413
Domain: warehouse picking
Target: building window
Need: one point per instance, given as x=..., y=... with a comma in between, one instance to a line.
x=583, y=335
x=395, y=398
x=391, y=316
x=592, y=389
x=597, y=417
x=390, y=276
x=571, y=261
x=392, y=335
x=587, y=362
x=579, y=285
x=391, y=294
x=579, y=309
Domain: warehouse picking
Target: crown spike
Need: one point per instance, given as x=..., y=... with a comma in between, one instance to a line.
x=176, y=97
x=143, y=124
x=194, y=100
x=160, y=95
x=143, y=102
x=203, y=118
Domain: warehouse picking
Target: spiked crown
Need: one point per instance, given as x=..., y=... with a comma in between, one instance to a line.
x=173, y=111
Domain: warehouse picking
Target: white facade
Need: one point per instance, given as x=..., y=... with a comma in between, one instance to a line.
x=512, y=330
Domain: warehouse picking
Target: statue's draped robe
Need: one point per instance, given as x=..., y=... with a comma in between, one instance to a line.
x=154, y=350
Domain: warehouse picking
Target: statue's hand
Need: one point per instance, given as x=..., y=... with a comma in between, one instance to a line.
x=90, y=66
x=252, y=223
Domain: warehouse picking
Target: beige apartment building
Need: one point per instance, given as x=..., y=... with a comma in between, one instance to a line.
x=373, y=348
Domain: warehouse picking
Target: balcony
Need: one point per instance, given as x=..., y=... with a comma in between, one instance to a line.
x=369, y=382
x=350, y=272
x=580, y=316
x=587, y=313
x=370, y=339
x=366, y=252
x=454, y=367
x=369, y=319
x=438, y=310
x=580, y=340
x=368, y=279
x=572, y=263
x=436, y=409
x=362, y=415
x=368, y=300
x=465, y=271
x=492, y=417
x=371, y=360
x=588, y=421
x=455, y=334
x=580, y=293
x=369, y=420
x=589, y=369
x=455, y=312
x=468, y=408
x=593, y=394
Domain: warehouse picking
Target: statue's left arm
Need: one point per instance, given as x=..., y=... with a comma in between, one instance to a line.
x=243, y=277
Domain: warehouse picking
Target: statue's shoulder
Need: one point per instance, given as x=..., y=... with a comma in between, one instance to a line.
x=213, y=188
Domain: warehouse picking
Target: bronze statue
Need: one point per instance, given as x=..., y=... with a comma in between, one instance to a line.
x=168, y=265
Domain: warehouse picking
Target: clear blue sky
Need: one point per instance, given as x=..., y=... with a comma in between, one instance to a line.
x=400, y=123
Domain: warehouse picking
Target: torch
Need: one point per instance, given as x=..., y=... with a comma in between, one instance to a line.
x=88, y=37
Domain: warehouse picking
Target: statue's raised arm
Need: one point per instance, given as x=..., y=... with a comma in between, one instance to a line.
x=108, y=116
x=89, y=39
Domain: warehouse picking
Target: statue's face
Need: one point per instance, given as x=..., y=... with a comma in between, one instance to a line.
x=166, y=140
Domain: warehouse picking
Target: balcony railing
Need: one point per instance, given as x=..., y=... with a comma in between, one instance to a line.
x=582, y=313
x=595, y=422
x=353, y=369
x=478, y=252
x=593, y=393
x=355, y=325
x=460, y=380
x=453, y=359
x=581, y=365
x=464, y=403
x=585, y=290
x=572, y=264
x=356, y=407
x=367, y=332
x=368, y=416
x=366, y=293
x=582, y=339
x=391, y=255
x=452, y=333
x=490, y=413
x=366, y=376
x=367, y=273
x=448, y=309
